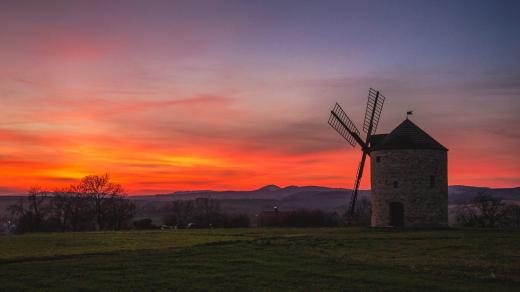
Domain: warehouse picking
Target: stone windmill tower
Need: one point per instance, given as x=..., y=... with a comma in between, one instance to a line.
x=409, y=178
x=409, y=170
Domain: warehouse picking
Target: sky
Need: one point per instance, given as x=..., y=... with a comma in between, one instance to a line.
x=182, y=95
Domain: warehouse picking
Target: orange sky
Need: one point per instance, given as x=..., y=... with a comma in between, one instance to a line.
x=165, y=101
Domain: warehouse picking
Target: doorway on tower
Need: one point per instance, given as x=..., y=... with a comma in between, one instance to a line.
x=396, y=214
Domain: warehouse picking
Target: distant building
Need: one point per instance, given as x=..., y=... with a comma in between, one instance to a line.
x=272, y=218
x=409, y=179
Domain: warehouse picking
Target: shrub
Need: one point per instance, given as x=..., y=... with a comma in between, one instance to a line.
x=145, y=223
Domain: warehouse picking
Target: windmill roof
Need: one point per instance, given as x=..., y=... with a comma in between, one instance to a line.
x=376, y=139
x=406, y=136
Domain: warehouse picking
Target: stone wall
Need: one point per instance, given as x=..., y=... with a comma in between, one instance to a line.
x=404, y=176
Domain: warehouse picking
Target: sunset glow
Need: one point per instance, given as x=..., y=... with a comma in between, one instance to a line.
x=239, y=96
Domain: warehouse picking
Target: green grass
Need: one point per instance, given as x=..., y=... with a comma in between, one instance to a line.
x=263, y=259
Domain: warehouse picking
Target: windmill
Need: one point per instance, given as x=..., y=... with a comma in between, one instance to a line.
x=347, y=129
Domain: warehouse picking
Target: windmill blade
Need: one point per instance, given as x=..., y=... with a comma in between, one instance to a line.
x=353, y=199
x=373, y=112
x=344, y=126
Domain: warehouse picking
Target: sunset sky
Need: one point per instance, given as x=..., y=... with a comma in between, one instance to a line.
x=182, y=95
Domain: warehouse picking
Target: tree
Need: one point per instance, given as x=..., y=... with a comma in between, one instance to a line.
x=202, y=212
x=207, y=212
x=94, y=203
x=17, y=212
x=179, y=213
x=362, y=213
x=72, y=210
x=483, y=211
x=513, y=216
x=99, y=189
x=37, y=198
x=118, y=212
x=30, y=212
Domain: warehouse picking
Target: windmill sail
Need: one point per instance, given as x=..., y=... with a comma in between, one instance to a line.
x=359, y=175
x=373, y=112
x=344, y=126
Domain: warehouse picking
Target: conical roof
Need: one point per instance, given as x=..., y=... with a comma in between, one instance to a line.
x=406, y=136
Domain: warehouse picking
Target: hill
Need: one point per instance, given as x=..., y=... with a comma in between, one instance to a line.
x=462, y=194
x=267, y=192
x=457, y=194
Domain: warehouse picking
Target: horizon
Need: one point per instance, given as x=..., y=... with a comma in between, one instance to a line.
x=173, y=192
x=234, y=95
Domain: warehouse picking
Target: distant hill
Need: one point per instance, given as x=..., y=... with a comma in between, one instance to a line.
x=457, y=194
x=267, y=192
x=462, y=194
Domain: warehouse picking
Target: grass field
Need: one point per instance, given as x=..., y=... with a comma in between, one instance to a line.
x=263, y=259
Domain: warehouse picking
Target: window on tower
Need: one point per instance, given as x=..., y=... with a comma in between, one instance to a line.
x=396, y=184
x=378, y=159
x=432, y=181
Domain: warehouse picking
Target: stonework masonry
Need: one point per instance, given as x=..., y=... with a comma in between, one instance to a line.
x=416, y=178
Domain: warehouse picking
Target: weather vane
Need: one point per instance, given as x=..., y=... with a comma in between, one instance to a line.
x=408, y=113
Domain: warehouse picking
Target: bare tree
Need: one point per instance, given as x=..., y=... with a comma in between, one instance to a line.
x=513, y=216
x=30, y=212
x=362, y=212
x=99, y=189
x=73, y=210
x=201, y=212
x=61, y=211
x=483, y=211
x=94, y=203
x=118, y=212
x=18, y=209
x=179, y=213
x=207, y=212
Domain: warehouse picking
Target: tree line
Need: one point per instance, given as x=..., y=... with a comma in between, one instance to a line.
x=201, y=213
x=486, y=211
x=95, y=203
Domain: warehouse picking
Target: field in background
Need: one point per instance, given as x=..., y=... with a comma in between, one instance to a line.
x=263, y=259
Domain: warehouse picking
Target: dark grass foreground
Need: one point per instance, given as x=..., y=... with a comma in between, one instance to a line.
x=263, y=259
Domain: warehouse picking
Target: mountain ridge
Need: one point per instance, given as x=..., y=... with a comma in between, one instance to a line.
x=457, y=193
